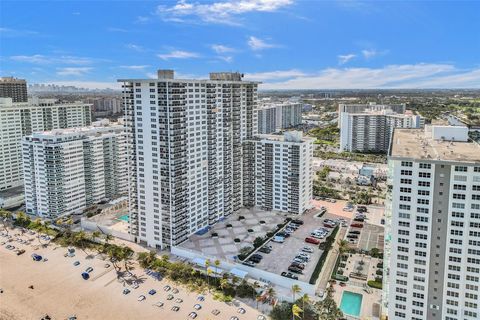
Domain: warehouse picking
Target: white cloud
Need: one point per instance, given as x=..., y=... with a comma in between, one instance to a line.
x=373, y=53
x=274, y=75
x=228, y=59
x=113, y=29
x=221, y=12
x=342, y=59
x=42, y=59
x=135, y=67
x=73, y=71
x=257, y=44
x=134, y=47
x=142, y=19
x=422, y=75
x=8, y=32
x=219, y=48
x=178, y=54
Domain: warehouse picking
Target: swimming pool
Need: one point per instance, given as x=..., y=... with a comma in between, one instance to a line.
x=124, y=218
x=351, y=303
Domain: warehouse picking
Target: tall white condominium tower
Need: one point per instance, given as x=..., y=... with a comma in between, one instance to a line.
x=278, y=172
x=278, y=116
x=366, y=128
x=432, y=247
x=267, y=119
x=23, y=118
x=67, y=170
x=185, y=146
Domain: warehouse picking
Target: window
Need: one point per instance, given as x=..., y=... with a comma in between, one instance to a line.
x=460, y=169
x=407, y=164
x=406, y=172
x=425, y=166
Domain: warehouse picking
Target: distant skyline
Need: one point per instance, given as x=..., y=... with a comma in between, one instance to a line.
x=286, y=44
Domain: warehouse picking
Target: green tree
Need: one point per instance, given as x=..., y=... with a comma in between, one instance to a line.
x=295, y=289
x=327, y=309
x=257, y=242
x=6, y=217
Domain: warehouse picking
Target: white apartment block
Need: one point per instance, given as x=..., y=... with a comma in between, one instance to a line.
x=370, y=129
x=68, y=170
x=289, y=114
x=278, y=116
x=185, y=143
x=278, y=173
x=23, y=118
x=267, y=119
x=432, y=243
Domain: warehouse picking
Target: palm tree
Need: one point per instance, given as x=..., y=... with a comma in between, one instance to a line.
x=217, y=264
x=223, y=283
x=296, y=310
x=328, y=309
x=342, y=246
x=295, y=289
x=305, y=298
x=6, y=216
x=209, y=272
x=126, y=254
x=95, y=235
x=108, y=237
x=271, y=294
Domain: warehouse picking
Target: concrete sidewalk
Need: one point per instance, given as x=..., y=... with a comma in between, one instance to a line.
x=327, y=269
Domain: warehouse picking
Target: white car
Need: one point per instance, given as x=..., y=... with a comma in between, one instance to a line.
x=141, y=298
x=303, y=254
x=307, y=249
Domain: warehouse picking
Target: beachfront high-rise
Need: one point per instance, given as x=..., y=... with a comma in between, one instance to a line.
x=368, y=128
x=14, y=88
x=23, y=118
x=432, y=243
x=185, y=151
x=68, y=170
x=278, y=173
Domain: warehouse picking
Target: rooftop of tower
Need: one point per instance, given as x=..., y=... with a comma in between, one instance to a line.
x=442, y=143
x=163, y=74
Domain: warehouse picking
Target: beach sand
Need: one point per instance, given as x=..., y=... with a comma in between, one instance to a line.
x=60, y=291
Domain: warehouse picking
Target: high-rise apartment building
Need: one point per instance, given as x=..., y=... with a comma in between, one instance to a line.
x=185, y=150
x=279, y=116
x=23, y=118
x=360, y=108
x=14, y=88
x=432, y=243
x=289, y=115
x=366, y=128
x=267, y=119
x=278, y=173
x=68, y=170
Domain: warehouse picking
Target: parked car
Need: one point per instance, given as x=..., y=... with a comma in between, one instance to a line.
x=152, y=292
x=126, y=291
x=76, y=263
x=359, y=219
x=295, y=269
x=178, y=300
x=352, y=236
x=89, y=269
x=175, y=308
x=278, y=239
x=261, y=317
x=289, y=275
x=354, y=231
x=192, y=315
x=357, y=225
x=312, y=240
x=21, y=251
x=159, y=304
x=167, y=288
x=362, y=209
x=248, y=263
x=307, y=249
x=297, y=221
x=215, y=312
x=241, y=310
x=197, y=307
x=265, y=250
x=141, y=298
x=299, y=265
x=283, y=234
x=170, y=297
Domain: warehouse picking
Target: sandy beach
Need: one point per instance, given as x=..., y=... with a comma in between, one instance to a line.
x=60, y=291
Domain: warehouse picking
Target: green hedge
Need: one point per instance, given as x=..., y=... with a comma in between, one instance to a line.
x=340, y=278
x=375, y=284
x=327, y=246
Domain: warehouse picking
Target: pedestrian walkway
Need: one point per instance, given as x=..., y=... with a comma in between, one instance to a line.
x=327, y=269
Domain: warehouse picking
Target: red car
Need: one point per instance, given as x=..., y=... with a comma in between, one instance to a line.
x=356, y=225
x=312, y=240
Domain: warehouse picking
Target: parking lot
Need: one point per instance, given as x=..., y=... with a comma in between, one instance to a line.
x=282, y=254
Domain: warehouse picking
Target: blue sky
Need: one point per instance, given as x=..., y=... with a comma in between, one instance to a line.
x=287, y=44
